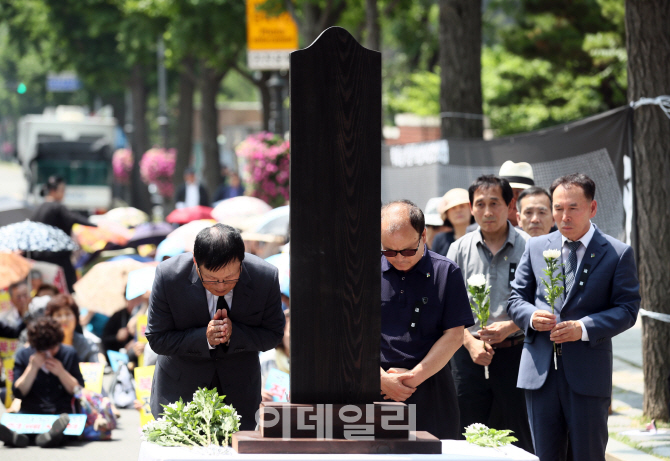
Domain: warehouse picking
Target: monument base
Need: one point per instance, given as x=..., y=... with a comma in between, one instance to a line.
x=379, y=420
x=253, y=442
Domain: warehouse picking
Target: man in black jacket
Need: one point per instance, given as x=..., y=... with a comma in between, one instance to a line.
x=210, y=314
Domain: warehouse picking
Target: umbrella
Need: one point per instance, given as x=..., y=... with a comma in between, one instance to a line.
x=13, y=268
x=282, y=261
x=103, y=287
x=186, y=215
x=272, y=227
x=94, y=239
x=140, y=281
x=185, y=235
x=126, y=216
x=242, y=212
x=274, y=222
x=169, y=248
x=150, y=233
x=34, y=236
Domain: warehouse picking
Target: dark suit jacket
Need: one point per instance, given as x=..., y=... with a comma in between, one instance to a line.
x=607, y=303
x=180, y=195
x=176, y=330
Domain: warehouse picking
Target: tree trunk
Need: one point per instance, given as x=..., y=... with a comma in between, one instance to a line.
x=185, y=119
x=460, y=64
x=140, y=197
x=372, y=40
x=648, y=47
x=210, y=81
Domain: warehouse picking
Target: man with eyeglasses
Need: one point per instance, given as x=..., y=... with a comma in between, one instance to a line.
x=424, y=310
x=210, y=314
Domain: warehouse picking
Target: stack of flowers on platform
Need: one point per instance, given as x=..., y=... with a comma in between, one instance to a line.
x=266, y=160
x=122, y=165
x=203, y=422
x=157, y=167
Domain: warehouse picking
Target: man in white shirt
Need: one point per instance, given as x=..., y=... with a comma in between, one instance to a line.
x=191, y=193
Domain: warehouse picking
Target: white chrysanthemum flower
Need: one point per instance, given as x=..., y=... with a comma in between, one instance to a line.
x=477, y=280
x=551, y=254
x=476, y=427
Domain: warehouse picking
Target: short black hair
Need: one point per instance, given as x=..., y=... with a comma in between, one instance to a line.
x=44, y=333
x=490, y=180
x=51, y=185
x=218, y=246
x=416, y=218
x=576, y=179
x=534, y=190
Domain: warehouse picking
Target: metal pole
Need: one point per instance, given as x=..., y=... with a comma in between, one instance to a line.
x=162, y=93
x=276, y=84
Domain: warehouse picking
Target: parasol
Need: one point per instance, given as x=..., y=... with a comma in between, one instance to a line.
x=186, y=215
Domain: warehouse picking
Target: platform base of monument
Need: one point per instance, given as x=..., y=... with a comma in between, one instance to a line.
x=378, y=420
x=253, y=442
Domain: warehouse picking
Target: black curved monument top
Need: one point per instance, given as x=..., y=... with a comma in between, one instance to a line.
x=335, y=88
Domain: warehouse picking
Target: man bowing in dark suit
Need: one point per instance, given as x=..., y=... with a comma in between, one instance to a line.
x=569, y=397
x=210, y=314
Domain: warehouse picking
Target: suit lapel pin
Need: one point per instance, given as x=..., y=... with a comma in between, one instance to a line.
x=505, y=258
x=427, y=274
x=593, y=255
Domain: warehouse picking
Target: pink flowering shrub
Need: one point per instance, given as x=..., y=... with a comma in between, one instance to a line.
x=266, y=159
x=122, y=165
x=157, y=167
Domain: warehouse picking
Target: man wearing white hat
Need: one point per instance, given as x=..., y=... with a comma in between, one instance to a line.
x=520, y=177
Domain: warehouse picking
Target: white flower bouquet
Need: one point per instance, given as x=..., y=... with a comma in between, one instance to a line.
x=202, y=422
x=480, y=295
x=554, y=288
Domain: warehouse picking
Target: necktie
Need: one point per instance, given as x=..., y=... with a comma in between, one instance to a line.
x=222, y=304
x=571, y=265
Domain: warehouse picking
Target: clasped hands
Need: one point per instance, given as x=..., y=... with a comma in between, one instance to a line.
x=566, y=331
x=219, y=328
x=398, y=384
x=41, y=359
x=480, y=349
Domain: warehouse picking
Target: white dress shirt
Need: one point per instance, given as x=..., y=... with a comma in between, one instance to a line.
x=192, y=195
x=213, y=300
x=581, y=250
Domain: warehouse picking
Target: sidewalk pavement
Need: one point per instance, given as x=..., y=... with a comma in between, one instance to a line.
x=628, y=389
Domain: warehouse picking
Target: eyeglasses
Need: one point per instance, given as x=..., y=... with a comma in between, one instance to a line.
x=216, y=282
x=407, y=253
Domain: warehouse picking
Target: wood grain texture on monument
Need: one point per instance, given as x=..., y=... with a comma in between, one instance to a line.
x=335, y=88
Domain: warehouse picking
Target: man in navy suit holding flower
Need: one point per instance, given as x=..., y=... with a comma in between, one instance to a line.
x=569, y=396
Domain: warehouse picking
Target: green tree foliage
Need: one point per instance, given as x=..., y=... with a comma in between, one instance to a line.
x=552, y=62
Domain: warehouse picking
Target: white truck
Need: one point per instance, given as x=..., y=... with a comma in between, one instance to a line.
x=67, y=142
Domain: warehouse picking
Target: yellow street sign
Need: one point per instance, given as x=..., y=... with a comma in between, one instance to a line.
x=269, y=39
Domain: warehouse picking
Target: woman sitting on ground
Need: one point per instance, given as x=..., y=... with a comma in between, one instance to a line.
x=47, y=377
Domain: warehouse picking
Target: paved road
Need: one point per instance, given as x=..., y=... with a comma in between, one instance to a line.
x=124, y=446
x=12, y=181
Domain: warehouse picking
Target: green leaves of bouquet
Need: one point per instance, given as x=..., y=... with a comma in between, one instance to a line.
x=479, y=434
x=204, y=421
